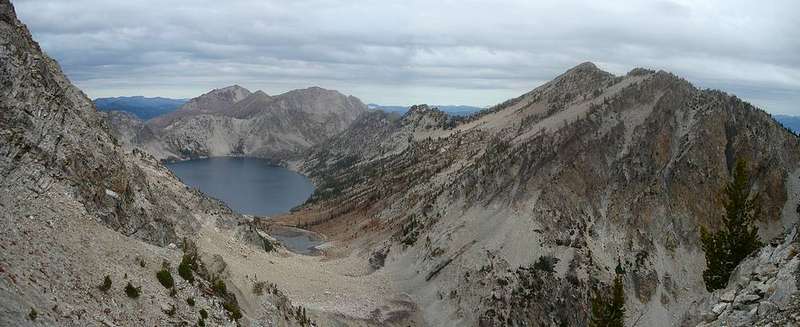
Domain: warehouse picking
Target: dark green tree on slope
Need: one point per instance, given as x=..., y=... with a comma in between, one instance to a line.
x=737, y=237
x=609, y=312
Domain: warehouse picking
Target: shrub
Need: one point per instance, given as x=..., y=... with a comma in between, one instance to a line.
x=737, y=237
x=201, y=322
x=203, y=314
x=185, y=269
x=269, y=247
x=33, y=314
x=410, y=232
x=106, y=284
x=171, y=311
x=546, y=263
x=133, y=292
x=165, y=278
x=190, y=301
x=219, y=287
x=233, y=309
x=258, y=288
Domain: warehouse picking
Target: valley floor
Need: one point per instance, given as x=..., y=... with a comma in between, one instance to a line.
x=342, y=289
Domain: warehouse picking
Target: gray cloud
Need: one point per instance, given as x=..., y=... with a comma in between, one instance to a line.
x=471, y=52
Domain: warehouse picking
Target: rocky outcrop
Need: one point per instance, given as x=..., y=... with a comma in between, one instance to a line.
x=234, y=121
x=51, y=135
x=762, y=291
x=590, y=169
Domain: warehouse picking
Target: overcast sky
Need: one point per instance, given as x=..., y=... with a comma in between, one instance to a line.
x=416, y=51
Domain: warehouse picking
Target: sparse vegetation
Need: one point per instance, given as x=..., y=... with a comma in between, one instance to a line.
x=132, y=292
x=106, y=284
x=171, y=311
x=173, y=292
x=33, y=314
x=233, y=309
x=546, y=263
x=737, y=237
x=185, y=268
x=268, y=246
x=258, y=288
x=410, y=232
x=301, y=316
x=141, y=262
x=165, y=278
x=609, y=312
x=219, y=287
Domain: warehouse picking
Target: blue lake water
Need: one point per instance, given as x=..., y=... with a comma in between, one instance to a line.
x=247, y=185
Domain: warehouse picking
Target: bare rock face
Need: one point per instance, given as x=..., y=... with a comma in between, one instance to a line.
x=51, y=134
x=234, y=121
x=591, y=169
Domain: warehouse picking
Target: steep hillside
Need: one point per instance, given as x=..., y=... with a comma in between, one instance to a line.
x=588, y=171
x=142, y=107
x=234, y=121
x=92, y=233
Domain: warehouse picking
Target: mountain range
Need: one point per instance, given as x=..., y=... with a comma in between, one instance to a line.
x=146, y=108
x=790, y=122
x=142, y=107
x=514, y=216
x=235, y=121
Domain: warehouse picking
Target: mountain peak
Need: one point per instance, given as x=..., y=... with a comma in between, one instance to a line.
x=234, y=87
x=587, y=68
x=260, y=93
x=233, y=93
x=587, y=65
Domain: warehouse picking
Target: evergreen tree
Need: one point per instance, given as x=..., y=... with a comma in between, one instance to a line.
x=737, y=237
x=609, y=312
x=185, y=268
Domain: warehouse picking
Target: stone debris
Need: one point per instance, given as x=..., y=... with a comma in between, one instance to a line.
x=762, y=290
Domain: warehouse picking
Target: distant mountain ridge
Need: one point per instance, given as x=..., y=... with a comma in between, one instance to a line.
x=790, y=122
x=455, y=110
x=235, y=121
x=140, y=106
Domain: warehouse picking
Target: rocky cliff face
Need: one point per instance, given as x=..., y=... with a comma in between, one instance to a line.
x=586, y=171
x=234, y=121
x=51, y=134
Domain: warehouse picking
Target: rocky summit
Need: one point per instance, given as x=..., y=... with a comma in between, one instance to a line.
x=518, y=215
